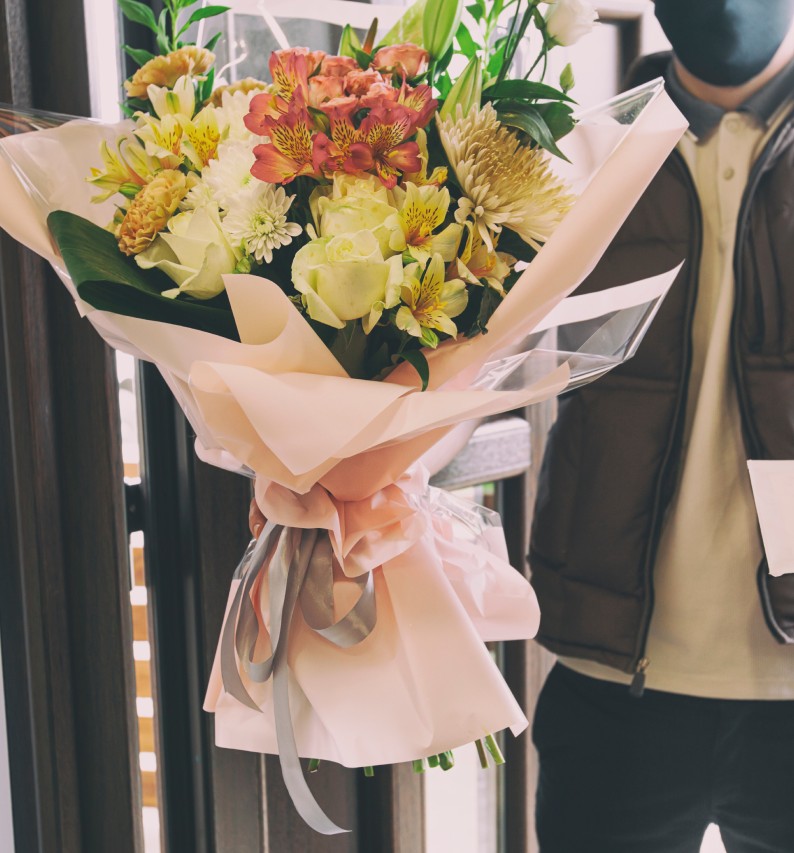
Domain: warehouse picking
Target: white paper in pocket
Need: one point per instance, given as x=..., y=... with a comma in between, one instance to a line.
x=773, y=489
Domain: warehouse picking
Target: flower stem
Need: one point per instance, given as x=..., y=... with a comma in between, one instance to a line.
x=369, y=771
x=314, y=765
x=419, y=765
x=433, y=761
x=483, y=755
x=493, y=747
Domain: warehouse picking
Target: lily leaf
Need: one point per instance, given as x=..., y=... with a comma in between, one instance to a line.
x=408, y=28
x=528, y=119
x=528, y=90
x=416, y=358
x=110, y=281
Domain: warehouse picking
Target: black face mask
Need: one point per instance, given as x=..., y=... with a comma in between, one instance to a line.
x=725, y=42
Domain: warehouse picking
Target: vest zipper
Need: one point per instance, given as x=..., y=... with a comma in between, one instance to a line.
x=637, y=686
x=640, y=663
x=751, y=437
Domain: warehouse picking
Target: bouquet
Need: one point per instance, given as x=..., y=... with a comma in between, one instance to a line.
x=332, y=268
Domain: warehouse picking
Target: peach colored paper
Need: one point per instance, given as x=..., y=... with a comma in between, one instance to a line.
x=337, y=453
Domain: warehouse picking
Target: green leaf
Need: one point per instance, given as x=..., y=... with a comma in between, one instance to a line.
x=528, y=90
x=349, y=43
x=162, y=21
x=162, y=43
x=364, y=59
x=138, y=13
x=559, y=118
x=416, y=358
x=477, y=11
x=110, y=281
x=210, y=45
x=468, y=47
x=199, y=14
x=439, y=26
x=466, y=91
x=529, y=120
x=409, y=27
x=138, y=55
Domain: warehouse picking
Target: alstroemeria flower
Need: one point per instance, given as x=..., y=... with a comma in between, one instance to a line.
x=383, y=147
x=181, y=100
x=346, y=278
x=262, y=110
x=421, y=178
x=290, y=150
x=420, y=102
x=292, y=68
x=201, y=137
x=407, y=59
x=127, y=169
x=338, y=66
x=430, y=302
x=422, y=210
x=162, y=138
x=477, y=262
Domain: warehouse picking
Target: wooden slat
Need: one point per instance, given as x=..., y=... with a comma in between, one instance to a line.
x=143, y=678
x=149, y=787
x=140, y=623
x=146, y=734
x=139, y=572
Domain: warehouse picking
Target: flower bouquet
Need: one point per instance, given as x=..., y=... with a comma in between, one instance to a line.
x=331, y=269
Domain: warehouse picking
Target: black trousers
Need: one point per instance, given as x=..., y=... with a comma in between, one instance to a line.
x=647, y=775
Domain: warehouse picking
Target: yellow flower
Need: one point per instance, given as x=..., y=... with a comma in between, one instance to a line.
x=477, y=262
x=162, y=138
x=150, y=211
x=201, y=137
x=504, y=182
x=420, y=178
x=166, y=70
x=430, y=302
x=180, y=100
x=127, y=169
x=422, y=210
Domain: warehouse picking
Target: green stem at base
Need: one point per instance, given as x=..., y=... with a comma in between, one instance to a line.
x=314, y=765
x=483, y=755
x=493, y=747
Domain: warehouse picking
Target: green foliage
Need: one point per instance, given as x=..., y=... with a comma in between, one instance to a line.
x=409, y=27
x=439, y=26
x=110, y=281
x=168, y=28
x=416, y=358
x=349, y=42
x=528, y=118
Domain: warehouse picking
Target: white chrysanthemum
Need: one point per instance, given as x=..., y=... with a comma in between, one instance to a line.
x=199, y=195
x=230, y=171
x=504, y=182
x=257, y=221
x=231, y=112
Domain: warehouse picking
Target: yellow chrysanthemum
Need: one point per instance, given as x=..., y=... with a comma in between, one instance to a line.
x=150, y=211
x=166, y=70
x=504, y=182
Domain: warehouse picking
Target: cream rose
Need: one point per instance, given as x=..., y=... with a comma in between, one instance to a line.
x=193, y=252
x=356, y=204
x=346, y=278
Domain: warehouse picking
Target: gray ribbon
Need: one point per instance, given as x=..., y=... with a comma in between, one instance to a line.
x=300, y=565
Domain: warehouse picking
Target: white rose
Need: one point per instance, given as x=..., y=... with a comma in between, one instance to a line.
x=355, y=204
x=346, y=278
x=193, y=252
x=568, y=20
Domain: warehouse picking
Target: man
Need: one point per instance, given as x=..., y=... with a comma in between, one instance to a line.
x=672, y=705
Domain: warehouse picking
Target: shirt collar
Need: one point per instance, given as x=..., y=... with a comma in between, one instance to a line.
x=703, y=116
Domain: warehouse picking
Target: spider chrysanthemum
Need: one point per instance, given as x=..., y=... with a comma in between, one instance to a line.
x=504, y=182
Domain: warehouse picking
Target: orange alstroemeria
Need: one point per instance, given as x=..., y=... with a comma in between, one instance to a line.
x=292, y=68
x=264, y=108
x=420, y=102
x=383, y=145
x=289, y=152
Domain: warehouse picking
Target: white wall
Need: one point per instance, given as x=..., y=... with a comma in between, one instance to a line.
x=6, y=824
